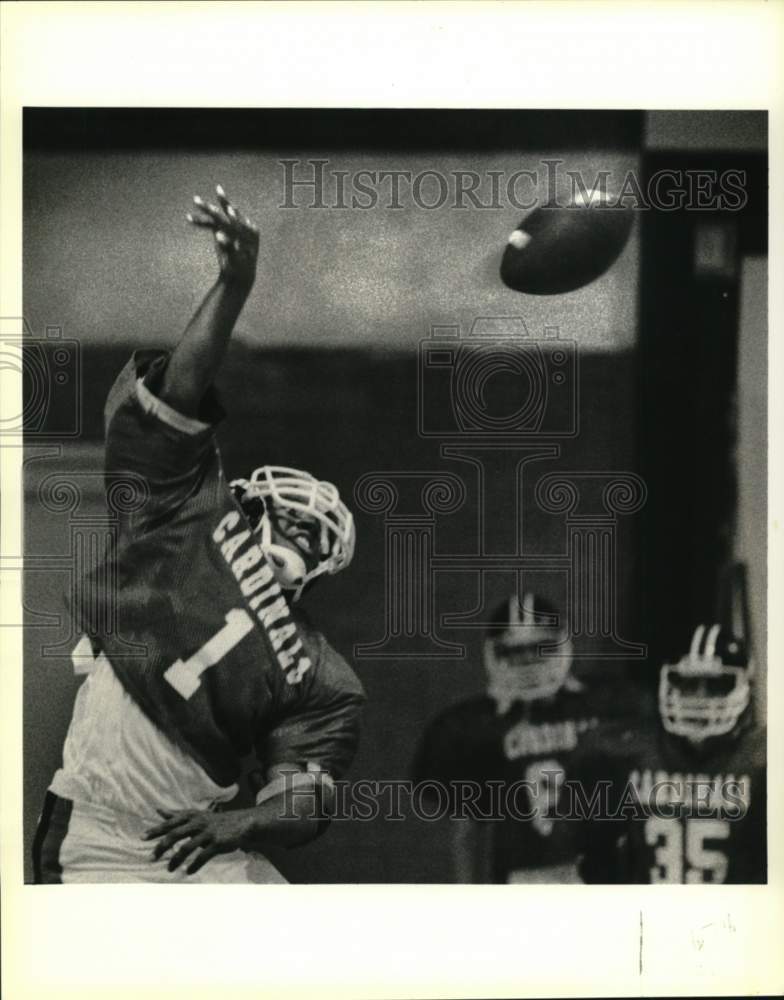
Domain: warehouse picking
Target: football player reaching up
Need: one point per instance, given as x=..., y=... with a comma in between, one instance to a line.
x=207, y=575
x=503, y=758
x=683, y=801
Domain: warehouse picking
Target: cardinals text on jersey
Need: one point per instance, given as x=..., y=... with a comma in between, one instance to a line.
x=228, y=668
x=673, y=816
x=527, y=752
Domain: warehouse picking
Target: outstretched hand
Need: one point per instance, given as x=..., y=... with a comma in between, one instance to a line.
x=236, y=238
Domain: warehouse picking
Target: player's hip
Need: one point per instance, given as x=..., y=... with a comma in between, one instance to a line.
x=83, y=842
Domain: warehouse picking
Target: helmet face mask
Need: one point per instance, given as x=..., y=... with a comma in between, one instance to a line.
x=707, y=693
x=527, y=657
x=313, y=529
x=303, y=532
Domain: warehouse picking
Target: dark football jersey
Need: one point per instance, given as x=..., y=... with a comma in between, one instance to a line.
x=204, y=639
x=662, y=813
x=518, y=762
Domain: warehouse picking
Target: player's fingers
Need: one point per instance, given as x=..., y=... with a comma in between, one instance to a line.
x=169, y=824
x=207, y=223
x=209, y=209
x=231, y=211
x=201, y=859
x=225, y=204
x=246, y=228
x=163, y=845
x=157, y=831
x=185, y=851
x=222, y=238
x=170, y=839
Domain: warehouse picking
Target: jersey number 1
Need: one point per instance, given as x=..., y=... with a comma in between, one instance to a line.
x=185, y=675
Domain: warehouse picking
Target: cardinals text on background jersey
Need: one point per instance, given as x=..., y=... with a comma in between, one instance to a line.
x=673, y=816
x=228, y=668
x=525, y=751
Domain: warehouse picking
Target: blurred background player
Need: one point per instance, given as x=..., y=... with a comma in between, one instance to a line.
x=207, y=575
x=516, y=744
x=690, y=793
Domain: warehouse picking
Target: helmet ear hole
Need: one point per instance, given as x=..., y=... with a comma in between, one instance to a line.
x=252, y=505
x=254, y=510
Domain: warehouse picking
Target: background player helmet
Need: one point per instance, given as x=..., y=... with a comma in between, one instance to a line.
x=708, y=691
x=527, y=653
x=274, y=494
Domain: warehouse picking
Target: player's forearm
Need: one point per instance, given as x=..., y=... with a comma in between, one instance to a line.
x=288, y=819
x=197, y=357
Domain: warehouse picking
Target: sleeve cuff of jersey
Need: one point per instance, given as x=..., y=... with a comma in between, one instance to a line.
x=291, y=781
x=150, y=403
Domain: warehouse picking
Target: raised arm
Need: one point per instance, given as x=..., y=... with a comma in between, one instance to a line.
x=198, y=355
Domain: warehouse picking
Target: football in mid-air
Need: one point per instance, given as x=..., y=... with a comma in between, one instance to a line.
x=559, y=248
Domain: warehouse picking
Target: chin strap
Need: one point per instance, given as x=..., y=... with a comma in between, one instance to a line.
x=288, y=566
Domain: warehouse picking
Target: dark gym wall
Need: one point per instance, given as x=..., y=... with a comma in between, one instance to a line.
x=690, y=300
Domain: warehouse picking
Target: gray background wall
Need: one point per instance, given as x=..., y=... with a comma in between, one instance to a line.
x=109, y=256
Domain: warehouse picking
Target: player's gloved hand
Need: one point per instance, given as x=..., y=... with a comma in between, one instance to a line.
x=203, y=832
x=236, y=238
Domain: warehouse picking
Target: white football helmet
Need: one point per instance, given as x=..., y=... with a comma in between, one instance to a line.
x=310, y=511
x=707, y=692
x=520, y=657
